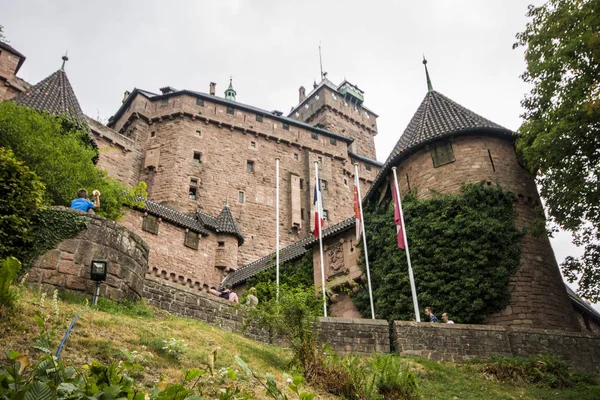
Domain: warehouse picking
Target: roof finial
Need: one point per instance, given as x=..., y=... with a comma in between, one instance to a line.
x=429, y=86
x=230, y=92
x=227, y=201
x=65, y=59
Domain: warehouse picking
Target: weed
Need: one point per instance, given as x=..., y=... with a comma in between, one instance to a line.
x=9, y=269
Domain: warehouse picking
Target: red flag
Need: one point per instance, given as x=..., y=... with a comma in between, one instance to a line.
x=398, y=220
x=357, y=211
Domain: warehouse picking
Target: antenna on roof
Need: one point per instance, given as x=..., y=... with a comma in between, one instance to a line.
x=323, y=74
x=65, y=59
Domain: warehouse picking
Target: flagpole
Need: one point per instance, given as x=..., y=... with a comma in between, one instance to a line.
x=277, y=225
x=320, y=211
x=362, y=223
x=413, y=288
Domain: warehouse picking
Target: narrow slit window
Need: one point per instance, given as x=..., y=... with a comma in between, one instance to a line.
x=250, y=166
x=193, y=192
x=153, y=134
x=323, y=184
x=302, y=214
x=241, y=197
x=197, y=157
x=325, y=215
x=252, y=145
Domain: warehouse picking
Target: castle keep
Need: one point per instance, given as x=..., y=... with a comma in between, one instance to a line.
x=209, y=164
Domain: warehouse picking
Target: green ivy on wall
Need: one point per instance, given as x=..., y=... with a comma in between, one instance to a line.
x=292, y=275
x=463, y=250
x=50, y=227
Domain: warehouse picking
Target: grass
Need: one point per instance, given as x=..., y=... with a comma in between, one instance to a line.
x=115, y=331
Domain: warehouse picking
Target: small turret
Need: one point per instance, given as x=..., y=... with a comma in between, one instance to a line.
x=230, y=92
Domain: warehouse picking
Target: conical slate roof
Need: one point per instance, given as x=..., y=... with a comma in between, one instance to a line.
x=436, y=117
x=54, y=95
x=226, y=224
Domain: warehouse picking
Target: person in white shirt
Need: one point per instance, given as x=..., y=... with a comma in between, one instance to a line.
x=445, y=319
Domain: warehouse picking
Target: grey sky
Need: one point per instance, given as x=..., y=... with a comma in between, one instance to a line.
x=270, y=47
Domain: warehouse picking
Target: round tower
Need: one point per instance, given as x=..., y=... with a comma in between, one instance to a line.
x=228, y=239
x=445, y=146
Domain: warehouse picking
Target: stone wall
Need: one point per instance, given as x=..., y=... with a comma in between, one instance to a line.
x=68, y=265
x=539, y=297
x=459, y=342
x=353, y=335
x=171, y=259
x=191, y=303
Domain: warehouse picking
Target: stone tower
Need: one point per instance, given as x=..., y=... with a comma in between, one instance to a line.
x=446, y=145
x=339, y=109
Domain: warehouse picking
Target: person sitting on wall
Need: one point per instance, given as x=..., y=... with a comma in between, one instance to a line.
x=430, y=315
x=81, y=203
x=445, y=319
x=226, y=294
x=251, y=299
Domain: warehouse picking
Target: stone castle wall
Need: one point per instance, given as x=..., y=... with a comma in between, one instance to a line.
x=9, y=87
x=459, y=342
x=539, y=298
x=68, y=265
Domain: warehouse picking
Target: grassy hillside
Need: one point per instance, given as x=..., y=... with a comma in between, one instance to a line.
x=138, y=333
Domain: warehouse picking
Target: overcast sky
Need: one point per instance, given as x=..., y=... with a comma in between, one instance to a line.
x=270, y=47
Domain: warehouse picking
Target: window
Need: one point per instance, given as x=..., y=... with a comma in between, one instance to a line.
x=259, y=118
x=193, y=182
x=368, y=167
x=250, y=166
x=252, y=145
x=325, y=215
x=198, y=133
x=301, y=184
x=191, y=240
x=302, y=214
x=295, y=156
x=323, y=184
x=320, y=159
x=164, y=102
x=230, y=110
x=150, y=224
x=442, y=154
x=192, y=193
x=333, y=141
x=241, y=197
x=197, y=158
x=314, y=135
x=286, y=127
x=221, y=244
x=152, y=134
x=346, y=181
x=200, y=102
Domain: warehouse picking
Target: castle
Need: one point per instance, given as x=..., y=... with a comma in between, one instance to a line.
x=209, y=163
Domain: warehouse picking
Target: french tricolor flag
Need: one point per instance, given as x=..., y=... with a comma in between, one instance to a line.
x=318, y=203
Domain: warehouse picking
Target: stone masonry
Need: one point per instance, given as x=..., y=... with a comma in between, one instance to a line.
x=68, y=265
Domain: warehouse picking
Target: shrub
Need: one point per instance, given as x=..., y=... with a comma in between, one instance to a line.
x=392, y=379
x=463, y=248
x=21, y=195
x=9, y=269
x=62, y=156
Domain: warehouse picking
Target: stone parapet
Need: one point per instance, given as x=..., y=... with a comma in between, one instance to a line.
x=355, y=335
x=458, y=342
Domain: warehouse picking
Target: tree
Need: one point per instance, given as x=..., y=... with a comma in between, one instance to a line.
x=21, y=194
x=62, y=157
x=560, y=137
x=2, y=38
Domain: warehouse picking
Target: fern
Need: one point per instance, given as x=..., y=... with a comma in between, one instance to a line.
x=9, y=269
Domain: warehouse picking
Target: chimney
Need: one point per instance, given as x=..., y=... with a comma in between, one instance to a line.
x=302, y=93
x=125, y=96
x=213, y=88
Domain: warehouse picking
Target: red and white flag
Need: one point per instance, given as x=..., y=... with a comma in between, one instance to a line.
x=357, y=208
x=318, y=202
x=398, y=220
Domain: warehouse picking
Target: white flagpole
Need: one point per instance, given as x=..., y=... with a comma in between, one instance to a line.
x=277, y=224
x=362, y=223
x=319, y=206
x=413, y=288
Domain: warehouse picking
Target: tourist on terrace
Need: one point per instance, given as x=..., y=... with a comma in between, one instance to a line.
x=251, y=299
x=81, y=203
x=445, y=319
x=226, y=294
x=430, y=315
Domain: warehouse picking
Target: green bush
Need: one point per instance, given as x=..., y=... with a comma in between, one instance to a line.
x=463, y=250
x=9, y=269
x=21, y=195
x=62, y=156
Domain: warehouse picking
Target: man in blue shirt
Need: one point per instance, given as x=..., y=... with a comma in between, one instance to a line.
x=81, y=203
x=430, y=315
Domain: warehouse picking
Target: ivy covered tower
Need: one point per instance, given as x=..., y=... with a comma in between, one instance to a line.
x=446, y=146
